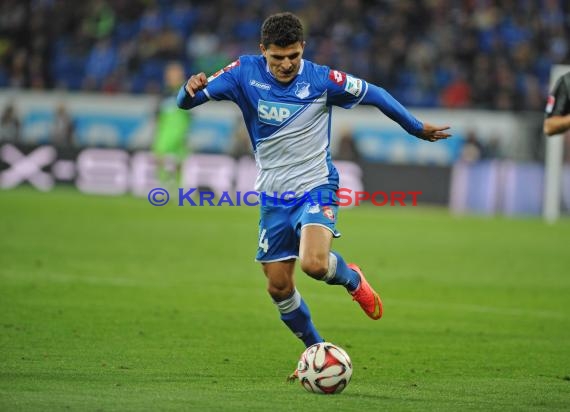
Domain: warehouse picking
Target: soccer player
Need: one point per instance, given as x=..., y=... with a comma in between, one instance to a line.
x=557, y=112
x=172, y=126
x=286, y=103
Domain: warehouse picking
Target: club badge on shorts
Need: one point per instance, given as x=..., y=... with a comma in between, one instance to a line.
x=328, y=212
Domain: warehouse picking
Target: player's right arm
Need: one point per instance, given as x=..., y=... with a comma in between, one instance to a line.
x=196, y=83
x=190, y=94
x=222, y=85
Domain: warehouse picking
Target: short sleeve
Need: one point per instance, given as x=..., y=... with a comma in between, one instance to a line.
x=558, y=102
x=344, y=90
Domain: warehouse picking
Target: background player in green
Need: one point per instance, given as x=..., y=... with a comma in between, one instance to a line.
x=172, y=125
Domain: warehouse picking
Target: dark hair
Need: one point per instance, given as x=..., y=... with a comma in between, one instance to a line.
x=281, y=29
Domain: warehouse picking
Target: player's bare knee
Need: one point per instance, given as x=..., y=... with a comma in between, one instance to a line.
x=280, y=290
x=314, y=267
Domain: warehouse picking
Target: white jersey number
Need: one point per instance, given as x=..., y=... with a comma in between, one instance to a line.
x=263, y=241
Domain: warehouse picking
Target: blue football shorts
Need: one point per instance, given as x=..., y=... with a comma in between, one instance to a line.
x=281, y=221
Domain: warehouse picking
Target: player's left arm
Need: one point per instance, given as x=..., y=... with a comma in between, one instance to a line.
x=347, y=91
x=380, y=98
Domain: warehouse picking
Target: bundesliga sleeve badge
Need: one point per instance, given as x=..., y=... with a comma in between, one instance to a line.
x=353, y=86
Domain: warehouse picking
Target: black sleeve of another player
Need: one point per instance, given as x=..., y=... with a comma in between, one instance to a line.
x=562, y=95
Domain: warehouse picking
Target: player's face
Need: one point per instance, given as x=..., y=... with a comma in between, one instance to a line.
x=284, y=62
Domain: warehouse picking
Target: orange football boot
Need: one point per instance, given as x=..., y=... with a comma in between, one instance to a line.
x=366, y=297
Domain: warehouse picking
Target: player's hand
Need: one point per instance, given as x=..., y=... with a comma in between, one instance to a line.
x=196, y=83
x=432, y=133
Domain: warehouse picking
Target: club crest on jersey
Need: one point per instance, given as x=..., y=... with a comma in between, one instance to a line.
x=302, y=90
x=275, y=113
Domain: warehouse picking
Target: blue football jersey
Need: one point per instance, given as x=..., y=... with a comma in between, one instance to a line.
x=289, y=124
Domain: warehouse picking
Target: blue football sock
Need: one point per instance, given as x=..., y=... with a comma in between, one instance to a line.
x=340, y=274
x=295, y=314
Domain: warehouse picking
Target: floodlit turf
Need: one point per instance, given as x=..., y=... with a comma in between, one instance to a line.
x=112, y=304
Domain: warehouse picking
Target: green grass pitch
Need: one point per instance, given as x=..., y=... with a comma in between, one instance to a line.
x=108, y=303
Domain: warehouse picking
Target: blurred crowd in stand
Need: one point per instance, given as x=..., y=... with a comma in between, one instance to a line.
x=491, y=54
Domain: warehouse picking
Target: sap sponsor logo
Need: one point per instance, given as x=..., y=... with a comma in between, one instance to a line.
x=337, y=77
x=259, y=85
x=302, y=90
x=353, y=86
x=275, y=113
